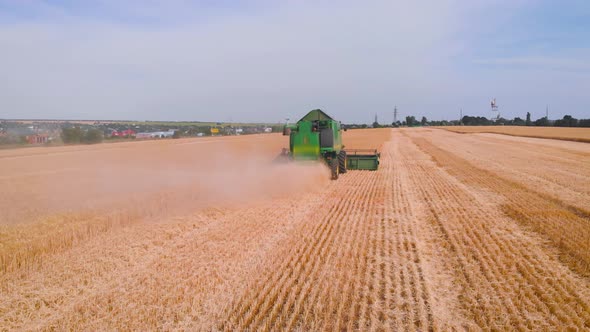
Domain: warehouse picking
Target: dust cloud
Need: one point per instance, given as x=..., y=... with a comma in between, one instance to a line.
x=156, y=180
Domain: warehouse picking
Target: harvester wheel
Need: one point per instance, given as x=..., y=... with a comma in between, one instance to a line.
x=342, y=161
x=334, y=168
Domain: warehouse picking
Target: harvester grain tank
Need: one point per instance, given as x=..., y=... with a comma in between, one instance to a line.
x=317, y=136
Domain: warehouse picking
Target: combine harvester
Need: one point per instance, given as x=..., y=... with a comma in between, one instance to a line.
x=317, y=136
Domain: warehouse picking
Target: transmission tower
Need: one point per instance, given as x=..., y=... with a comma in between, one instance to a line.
x=495, y=111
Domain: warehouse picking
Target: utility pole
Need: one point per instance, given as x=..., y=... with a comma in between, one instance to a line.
x=547, y=112
x=395, y=114
x=460, y=116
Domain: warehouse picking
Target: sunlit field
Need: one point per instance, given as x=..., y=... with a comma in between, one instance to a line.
x=561, y=133
x=453, y=231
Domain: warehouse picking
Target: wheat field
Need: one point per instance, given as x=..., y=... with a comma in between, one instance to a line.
x=453, y=232
x=559, y=133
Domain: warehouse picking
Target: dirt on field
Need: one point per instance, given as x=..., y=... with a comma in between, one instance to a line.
x=558, y=133
x=452, y=232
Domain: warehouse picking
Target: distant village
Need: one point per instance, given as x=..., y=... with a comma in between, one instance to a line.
x=53, y=132
x=47, y=132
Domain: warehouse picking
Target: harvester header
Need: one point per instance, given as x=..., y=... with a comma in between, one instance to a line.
x=317, y=136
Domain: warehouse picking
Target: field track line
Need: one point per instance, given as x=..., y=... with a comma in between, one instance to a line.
x=556, y=170
x=354, y=266
x=188, y=253
x=513, y=283
x=571, y=139
x=303, y=260
x=566, y=226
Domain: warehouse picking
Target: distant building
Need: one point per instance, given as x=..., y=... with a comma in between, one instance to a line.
x=228, y=130
x=38, y=139
x=156, y=134
x=123, y=133
x=268, y=130
x=143, y=135
x=167, y=134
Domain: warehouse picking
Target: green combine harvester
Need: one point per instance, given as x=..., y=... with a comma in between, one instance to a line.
x=317, y=136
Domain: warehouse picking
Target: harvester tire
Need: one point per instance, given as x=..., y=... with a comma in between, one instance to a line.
x=342, y=162
x=334, y=168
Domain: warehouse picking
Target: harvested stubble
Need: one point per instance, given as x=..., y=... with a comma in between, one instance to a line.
x=559, y=133
x=441, y=237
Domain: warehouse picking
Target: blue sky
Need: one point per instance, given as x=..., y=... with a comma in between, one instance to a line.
x=267, y=60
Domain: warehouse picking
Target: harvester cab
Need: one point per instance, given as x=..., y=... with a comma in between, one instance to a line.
x=317, y=136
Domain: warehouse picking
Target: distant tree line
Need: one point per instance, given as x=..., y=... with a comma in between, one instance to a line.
x=77, y=135
x=566, y=121
x=411, y=121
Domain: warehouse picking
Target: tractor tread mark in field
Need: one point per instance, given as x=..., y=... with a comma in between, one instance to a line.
x=567, y=227
x=364, y=248
x=512, y=282
x=557, y=170
x=314, y=245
